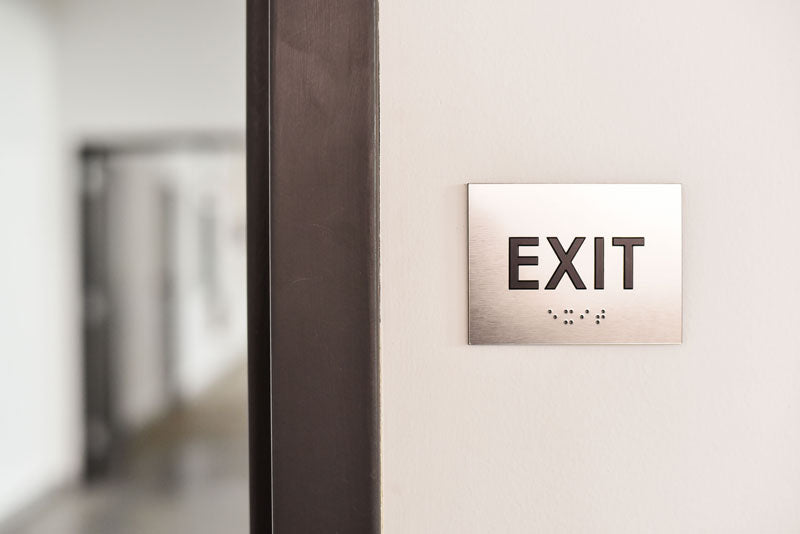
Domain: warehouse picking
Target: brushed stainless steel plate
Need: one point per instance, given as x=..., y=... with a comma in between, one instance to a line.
x=574, y=263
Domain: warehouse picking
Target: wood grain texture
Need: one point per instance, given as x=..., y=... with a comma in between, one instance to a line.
x=312, y=148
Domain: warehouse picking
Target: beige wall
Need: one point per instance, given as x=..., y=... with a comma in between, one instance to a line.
x=701, y=437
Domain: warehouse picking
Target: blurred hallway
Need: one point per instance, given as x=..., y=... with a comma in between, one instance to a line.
x=123, y=294
x=186, y=473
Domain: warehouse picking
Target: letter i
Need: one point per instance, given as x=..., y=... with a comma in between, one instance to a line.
x=599, y=263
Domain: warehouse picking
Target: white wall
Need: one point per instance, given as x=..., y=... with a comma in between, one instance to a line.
x=152, y=65
x=702, y=437
x=40, y=421
x=136, y=230
x=212, y=325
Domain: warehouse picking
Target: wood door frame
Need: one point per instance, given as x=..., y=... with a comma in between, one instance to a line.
x=312, y=193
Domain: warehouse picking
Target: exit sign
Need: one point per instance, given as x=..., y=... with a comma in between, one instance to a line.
x=589, y=263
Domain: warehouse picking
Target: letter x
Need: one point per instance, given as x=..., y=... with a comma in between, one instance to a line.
x=566, y=263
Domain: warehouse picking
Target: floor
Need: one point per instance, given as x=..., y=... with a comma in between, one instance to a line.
x=188, y=474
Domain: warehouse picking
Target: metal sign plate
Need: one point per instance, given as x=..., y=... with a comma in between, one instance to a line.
x=558, y=263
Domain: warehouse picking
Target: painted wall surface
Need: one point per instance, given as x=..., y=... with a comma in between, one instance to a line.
x=40, y=417
x=699, y=437
x=151, y=65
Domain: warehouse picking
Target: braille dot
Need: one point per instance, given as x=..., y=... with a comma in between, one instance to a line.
x=581, y=316
x=602, y=311
x=602, y=316
x=570, y=322
x=587, y=311
x=597, y=322
x=570, y=311
x=565, y=322
x=555, y=317
x=549, y=311
x=566, y=311
x=596, y=316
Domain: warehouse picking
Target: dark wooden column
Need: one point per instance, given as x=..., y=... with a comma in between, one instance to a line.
x=313, y=266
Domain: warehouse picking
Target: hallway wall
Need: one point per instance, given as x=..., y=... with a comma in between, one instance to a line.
x=151, y=65
x=40, y=421
x=701, y=437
